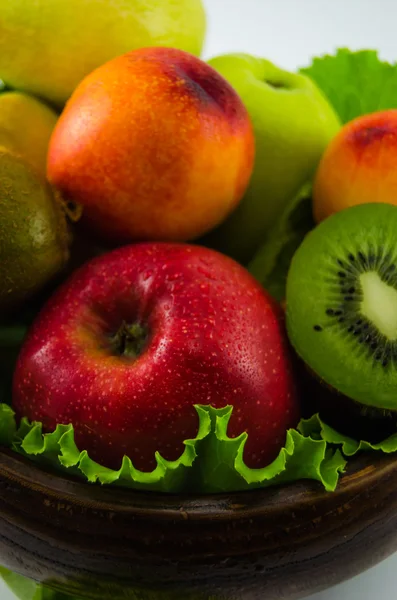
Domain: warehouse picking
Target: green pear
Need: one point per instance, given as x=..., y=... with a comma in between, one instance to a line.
x=26, y=126
x=293, y=123
x=48, y=46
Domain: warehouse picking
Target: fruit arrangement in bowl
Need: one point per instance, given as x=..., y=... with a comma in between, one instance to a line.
x=198, y=314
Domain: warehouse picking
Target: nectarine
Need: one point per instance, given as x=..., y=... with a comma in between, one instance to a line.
x=155, y=145
x=358, y=166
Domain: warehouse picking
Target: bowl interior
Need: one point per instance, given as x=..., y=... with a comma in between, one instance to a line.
x=290, y=540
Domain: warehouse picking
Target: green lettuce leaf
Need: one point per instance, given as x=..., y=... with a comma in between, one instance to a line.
x=8, y=426
x=356, y=83
x=211, y=462
x=315, y=426
x=22, y=587
x=27, y=589
x=271, y=263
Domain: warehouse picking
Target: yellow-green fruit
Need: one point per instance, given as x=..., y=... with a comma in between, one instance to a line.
x=34, y=235
x=26, y=125
x=48, y=46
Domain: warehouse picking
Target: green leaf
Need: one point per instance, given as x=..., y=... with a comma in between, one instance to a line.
x=356, y=83
x=211, y=462
x=271, y=263
x=301, y=458
x=22, y=587
x=27, y=589
x=350, y=446
x=8, y=427
x=58, y=449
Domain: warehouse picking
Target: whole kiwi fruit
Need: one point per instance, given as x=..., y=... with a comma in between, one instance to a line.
x=34, y=234
x=341, y=312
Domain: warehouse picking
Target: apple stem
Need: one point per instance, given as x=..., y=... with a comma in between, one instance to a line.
x=130, y=340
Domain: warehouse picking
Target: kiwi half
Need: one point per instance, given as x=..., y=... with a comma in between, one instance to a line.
x=341, y=305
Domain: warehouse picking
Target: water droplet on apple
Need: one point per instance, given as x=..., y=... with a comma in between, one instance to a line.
x=147, y=275
x=174, y=276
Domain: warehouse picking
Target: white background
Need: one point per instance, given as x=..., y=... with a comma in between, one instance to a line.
x=289, y=32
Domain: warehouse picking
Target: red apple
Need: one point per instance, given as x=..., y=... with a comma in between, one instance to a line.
x=137, y=336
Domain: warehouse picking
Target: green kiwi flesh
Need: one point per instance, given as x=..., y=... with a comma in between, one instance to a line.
x=341, y=304
x=34, y=235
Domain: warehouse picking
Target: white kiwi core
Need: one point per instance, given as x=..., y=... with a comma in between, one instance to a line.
x=379, y=304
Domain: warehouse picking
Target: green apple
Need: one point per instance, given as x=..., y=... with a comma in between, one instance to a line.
x=48, y=46
x=293, y=123
x=26, y=125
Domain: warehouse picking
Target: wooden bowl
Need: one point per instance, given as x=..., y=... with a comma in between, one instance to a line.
x=286, y=542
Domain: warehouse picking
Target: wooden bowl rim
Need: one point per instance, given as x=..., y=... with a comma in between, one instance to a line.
x=27, y=474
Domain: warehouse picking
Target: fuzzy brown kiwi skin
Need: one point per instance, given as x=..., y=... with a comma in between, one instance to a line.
x=34, y=234
x=344, y=414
